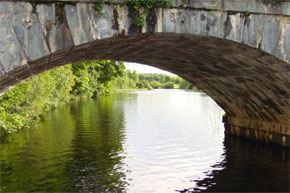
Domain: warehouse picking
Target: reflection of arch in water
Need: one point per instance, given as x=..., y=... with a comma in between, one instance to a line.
x=246, y=167
x=212, y=49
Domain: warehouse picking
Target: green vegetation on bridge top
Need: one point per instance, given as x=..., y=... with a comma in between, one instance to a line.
x=22, y=106
x=142, y=7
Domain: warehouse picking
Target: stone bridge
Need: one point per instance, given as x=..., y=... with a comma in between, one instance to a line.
x=236, y=51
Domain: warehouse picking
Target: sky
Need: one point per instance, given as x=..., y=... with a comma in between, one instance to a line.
x=142, y=68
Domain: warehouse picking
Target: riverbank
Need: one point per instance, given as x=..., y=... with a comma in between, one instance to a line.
x=21, y=106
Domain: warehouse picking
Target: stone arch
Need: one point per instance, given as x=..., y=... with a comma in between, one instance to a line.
x=240, y=60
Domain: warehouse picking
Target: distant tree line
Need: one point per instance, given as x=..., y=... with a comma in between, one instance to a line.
x=132, y=80
x=22, y=106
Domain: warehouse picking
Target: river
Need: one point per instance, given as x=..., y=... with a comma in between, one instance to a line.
x=141, y=141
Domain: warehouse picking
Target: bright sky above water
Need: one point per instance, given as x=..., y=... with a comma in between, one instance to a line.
x=142, y=69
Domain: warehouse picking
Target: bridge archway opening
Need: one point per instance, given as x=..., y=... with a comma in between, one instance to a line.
x=247, y=83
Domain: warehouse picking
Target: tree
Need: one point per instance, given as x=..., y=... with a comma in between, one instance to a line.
x=168, y=85
x=139, y=85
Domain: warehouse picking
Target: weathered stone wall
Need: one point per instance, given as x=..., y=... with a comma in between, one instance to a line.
x=268, y=132
x=238, y=52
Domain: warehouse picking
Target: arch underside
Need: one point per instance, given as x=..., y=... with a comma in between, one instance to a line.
x=246, y=82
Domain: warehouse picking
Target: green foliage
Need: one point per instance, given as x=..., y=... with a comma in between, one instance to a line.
x=155, y=84
x=141, y=19
x=63, y=80
x=132, y=80
x=98, y=7
x=168, y=85
x=93, y=77
x=187, y=85
x=18, y=110
x=147, y=85
x=143, y=7
x=140, y=85
x=247, y=13
x=128, y=80
x=149, y=4
x=21, y=106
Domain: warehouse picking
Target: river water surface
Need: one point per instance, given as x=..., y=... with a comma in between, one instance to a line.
x=144, y=141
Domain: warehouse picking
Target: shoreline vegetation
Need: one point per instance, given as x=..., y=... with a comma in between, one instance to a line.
x=22, y=106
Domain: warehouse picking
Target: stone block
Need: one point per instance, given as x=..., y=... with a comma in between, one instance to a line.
x=7, y=81
x=12, y=54
x=54, y=26
x=235, y=27
x=271, y=34
x=21, y=73
x=39, y=65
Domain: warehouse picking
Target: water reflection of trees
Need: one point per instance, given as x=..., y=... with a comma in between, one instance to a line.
x=247, y=167
x=97, y=153
x=32, y=159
